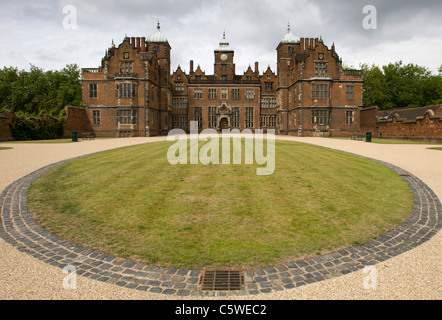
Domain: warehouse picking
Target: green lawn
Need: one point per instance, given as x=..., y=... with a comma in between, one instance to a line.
x=4, y=148
x=132, y=203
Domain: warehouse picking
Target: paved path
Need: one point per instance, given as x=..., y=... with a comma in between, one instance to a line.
x=25, y=277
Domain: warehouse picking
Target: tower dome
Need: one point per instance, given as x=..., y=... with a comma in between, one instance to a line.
x=290, y=37
x=157, y=36
x=224, y=44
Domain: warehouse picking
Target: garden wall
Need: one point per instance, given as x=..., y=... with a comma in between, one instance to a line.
x=421, y=124
x=5, y=125
x=76, y=120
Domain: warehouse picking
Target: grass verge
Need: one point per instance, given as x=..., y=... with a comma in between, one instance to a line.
x=132, y=203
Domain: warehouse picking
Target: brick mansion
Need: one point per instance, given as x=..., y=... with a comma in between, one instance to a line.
x=134, y=93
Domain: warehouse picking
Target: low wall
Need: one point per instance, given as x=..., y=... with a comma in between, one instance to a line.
x=424, y=128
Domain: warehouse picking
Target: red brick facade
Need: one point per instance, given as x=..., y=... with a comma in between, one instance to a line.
x=134, y=93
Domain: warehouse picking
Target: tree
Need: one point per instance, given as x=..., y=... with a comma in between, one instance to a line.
x=36, y=92
x=398, y=86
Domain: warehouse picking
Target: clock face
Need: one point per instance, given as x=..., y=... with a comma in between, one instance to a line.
x=224, y=57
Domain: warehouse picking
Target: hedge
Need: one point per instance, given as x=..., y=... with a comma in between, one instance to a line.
x=36, y=128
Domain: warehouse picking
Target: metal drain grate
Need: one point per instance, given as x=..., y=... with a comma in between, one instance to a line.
x=222, y=280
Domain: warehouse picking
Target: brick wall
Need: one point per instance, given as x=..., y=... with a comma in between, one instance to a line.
x=426, y=127
x=368, y=120
x=76, y=120
x=5, y=125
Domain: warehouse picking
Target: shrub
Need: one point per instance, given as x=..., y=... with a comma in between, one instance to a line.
x=36, y=128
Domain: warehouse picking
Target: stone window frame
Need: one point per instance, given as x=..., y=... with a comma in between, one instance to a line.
x=235, y=120
x=93, y=91
x=198, y=115
x=349, y=92
x=349, y=117
x=212, y=94
x=212, y=117
x=126, y=67
x=319, y=117
x=126, y=116
x=179, y=86
x=268, y=121
x=224, y=93
x=179, y=103
x=268, y=86
x=236, y=94
x=96, y=117
x=250, y=94
x=179, y=121
x=319, y=91
x=126, y=90
x=198, y=93
x=249, y=120
x=320, y=68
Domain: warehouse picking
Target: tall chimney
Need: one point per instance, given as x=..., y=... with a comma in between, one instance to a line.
x=132, y=41
x=302, y=44
x=138, y=42
x=143, y=44
x=191, y=66
x=257, y=67
x=311, y=44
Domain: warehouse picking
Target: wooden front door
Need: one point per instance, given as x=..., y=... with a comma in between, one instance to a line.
x=224, y=124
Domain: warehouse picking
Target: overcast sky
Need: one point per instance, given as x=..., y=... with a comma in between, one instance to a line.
x=35, y=32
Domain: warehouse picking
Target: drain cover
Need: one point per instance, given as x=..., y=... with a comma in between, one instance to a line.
x=222, y=280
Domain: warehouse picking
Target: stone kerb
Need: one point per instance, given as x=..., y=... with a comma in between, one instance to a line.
x=19, y=229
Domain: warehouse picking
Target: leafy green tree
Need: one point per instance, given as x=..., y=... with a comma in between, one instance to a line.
x=36, y=92
x=397, y=86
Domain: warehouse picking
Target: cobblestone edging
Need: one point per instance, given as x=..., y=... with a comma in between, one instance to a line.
x=19, y=229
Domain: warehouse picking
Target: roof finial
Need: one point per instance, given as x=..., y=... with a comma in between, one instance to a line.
x=158, y=25
x=224, y=34
x=288, y=27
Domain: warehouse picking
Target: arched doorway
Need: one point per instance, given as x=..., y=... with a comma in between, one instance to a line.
x=224, y=124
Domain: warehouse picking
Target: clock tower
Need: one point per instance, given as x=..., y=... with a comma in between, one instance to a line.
x=224, y=68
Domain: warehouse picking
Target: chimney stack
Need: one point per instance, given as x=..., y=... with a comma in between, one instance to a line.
x=132, y=41
x=191, y=66
x=257, y=68
x=143, y=44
